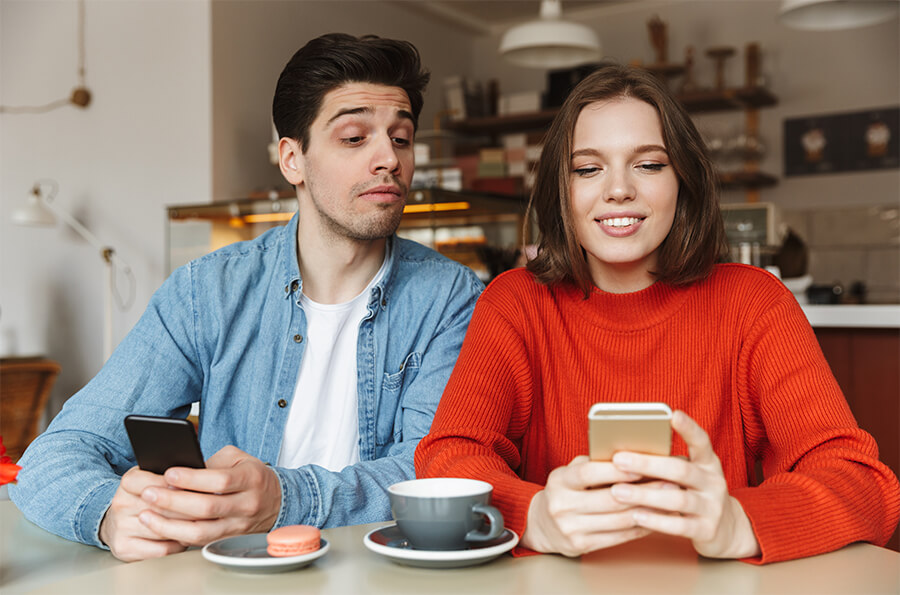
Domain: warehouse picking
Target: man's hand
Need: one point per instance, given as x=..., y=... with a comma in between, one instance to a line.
x=127, y=537
x=234, y=495
x=697, y=504
x=575, y=513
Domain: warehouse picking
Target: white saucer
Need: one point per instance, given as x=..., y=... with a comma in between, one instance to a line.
x=390, y=543
x=247, y=553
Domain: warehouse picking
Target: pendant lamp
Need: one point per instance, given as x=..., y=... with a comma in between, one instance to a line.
x=550, y=42
x=829, y=15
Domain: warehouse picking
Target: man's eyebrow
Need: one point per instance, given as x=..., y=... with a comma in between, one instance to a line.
x=350, y=111
x=637, y=151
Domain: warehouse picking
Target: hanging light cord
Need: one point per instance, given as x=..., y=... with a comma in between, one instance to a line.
x=80, y=95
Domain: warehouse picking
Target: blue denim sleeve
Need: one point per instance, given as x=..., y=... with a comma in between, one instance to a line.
x=358, y=494
x=71, y=472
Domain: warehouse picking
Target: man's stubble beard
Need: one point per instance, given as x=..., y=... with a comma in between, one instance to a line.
x=375, y=226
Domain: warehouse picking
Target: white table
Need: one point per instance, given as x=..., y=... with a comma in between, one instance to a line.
x=34, y=561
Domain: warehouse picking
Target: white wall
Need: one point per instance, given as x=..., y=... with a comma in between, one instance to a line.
x=810, y=72
x=144, y=142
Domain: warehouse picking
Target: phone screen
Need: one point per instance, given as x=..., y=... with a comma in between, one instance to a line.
x=163, y=442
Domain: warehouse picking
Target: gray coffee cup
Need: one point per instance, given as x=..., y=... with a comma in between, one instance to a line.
x=444, y=513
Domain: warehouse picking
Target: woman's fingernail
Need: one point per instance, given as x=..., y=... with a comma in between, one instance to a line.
x=622, y=459
x=144, y=517
x=622, y=491
x=149, y=495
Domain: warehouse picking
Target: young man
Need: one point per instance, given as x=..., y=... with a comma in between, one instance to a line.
x=318, y=351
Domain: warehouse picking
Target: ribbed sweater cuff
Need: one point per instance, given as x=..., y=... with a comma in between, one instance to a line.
x=781, y=519
x=513, y=497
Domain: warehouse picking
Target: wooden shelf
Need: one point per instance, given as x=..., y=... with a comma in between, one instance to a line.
x=727, y=100
x=707, y=100
x=746, y=179
x=698, y=101
x=665, y=70
x=502, y=124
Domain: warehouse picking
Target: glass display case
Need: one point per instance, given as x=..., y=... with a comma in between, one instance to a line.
x=482, y=231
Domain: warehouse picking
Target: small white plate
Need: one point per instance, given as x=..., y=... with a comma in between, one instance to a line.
x=390, y=543
x=247, y=553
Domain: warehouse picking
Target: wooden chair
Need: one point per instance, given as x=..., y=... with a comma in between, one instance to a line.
x=24, y=388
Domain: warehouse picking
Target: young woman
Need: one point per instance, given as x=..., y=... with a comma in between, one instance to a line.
x=625, y=302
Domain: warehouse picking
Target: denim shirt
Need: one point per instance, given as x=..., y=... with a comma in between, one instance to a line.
x=227, y=329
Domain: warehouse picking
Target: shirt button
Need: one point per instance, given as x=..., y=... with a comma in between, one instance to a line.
x=384, y=303
x=295, y=285
x=282, y=403
x=298, y=338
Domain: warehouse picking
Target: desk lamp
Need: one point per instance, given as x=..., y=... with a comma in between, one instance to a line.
x=40, y=211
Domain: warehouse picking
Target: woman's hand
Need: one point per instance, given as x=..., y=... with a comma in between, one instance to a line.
x=575, y=513
x=696, y=504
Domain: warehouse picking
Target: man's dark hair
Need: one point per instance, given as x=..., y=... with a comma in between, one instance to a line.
x=332, y=60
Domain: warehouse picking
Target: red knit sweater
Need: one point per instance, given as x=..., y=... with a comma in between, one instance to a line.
x=735, y=352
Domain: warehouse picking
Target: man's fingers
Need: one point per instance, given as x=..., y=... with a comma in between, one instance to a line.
x=196, y=533
x=135, y=549
x=135, y=480
x=229, y=470
x=226, y=457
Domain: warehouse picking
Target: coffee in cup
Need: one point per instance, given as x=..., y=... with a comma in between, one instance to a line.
x=444, y=513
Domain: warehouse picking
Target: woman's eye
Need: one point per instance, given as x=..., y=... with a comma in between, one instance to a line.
x=353, y=140
x=653, y=166
x=401, y=141
x=586, y=171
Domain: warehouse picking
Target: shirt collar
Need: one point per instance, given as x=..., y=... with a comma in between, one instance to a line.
x=293, y=284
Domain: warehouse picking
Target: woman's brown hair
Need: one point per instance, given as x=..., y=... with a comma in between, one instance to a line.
x=697, y=238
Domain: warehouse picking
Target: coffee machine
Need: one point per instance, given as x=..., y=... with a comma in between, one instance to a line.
x=754, y=232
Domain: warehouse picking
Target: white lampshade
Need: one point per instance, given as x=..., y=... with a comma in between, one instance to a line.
x=34, y=212
x=550, y=42
x=826, y=15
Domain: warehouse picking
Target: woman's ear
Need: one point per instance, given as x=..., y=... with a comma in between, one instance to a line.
x=290, y=160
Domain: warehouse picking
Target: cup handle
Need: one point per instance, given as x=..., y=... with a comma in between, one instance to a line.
x=496, y=519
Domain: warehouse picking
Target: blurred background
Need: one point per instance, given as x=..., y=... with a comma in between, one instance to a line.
x=179, y=114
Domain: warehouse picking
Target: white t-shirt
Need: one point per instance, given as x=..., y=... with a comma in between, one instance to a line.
x=323, y=422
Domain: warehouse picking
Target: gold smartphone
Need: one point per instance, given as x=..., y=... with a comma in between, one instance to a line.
x=638, y=427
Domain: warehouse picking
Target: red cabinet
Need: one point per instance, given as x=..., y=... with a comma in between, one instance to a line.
x=866, y=364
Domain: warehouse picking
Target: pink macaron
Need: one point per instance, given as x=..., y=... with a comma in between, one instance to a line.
x=293, y=540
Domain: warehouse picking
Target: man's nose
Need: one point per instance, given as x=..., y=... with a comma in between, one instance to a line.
x=385, y=157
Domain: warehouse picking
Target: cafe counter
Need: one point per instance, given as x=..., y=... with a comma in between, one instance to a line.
x=884, y=316
x=34, y=561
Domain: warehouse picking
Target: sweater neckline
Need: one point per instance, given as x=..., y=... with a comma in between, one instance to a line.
x=627, y=311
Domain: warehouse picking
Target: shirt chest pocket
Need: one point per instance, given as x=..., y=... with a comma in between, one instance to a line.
x=388, y=427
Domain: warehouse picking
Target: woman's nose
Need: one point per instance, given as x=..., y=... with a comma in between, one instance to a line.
x=619, y=186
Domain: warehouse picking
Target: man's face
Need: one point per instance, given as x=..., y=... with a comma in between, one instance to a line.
x=354, y=176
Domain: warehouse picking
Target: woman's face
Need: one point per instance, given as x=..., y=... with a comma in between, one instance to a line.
x=623, y=192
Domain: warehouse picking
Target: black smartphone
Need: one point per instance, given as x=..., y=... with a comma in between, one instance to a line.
x=163, y=442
